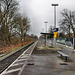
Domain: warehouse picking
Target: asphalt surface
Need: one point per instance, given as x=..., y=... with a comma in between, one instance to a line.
x=43, y=61
x=47, y=62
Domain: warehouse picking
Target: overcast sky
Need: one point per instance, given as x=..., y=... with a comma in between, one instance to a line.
x=40, y=11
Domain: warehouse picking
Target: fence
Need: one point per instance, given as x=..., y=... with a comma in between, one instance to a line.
x=66, y=41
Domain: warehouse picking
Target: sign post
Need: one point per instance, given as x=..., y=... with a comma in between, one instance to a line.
x=55, y=36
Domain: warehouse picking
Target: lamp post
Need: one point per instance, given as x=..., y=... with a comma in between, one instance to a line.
x=46, y=35
x=43, y=30
x=46, y=26
x=55, y=22
x=54, y=14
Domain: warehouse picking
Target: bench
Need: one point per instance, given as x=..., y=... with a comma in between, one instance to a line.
x=66, y=52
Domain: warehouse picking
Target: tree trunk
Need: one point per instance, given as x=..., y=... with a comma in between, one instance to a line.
x=7, y=40
x=24, y=36
x=4, y=43
x=74, y=40
x=21, y=38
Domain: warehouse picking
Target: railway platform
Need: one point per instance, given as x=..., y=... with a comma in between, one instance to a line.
x=40, y=60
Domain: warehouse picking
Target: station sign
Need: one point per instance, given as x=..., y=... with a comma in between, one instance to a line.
x=55, y=34
x=42, y=36
x=55, y=29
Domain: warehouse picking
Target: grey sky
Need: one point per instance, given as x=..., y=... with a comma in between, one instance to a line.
x=40, y=11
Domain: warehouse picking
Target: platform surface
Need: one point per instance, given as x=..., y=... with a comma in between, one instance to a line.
x=42, y=61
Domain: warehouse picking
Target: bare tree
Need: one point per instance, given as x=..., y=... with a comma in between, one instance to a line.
x=11, y=22
x=22, y=25
x=68, y=20
x=8, y=8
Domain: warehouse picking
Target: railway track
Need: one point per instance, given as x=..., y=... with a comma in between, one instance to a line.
x=7, y=61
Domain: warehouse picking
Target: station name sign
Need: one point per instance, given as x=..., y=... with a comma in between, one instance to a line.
x=55, y=29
